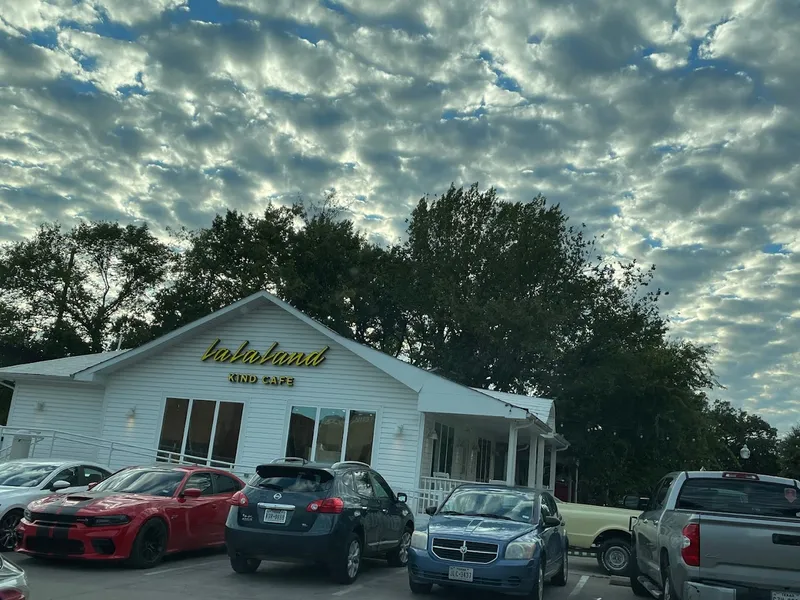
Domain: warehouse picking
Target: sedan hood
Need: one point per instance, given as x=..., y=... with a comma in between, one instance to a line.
x=95, y=503
x=498, y=530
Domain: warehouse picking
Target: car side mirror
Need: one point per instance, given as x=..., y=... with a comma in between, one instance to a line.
x=192, y=493
x=632, y=502
x=431, y=510
x=60, y=485
x=91, y=485
x=551, y=521
x=401, y=497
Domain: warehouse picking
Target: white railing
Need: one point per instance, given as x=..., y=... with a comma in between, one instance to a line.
x=54, y=443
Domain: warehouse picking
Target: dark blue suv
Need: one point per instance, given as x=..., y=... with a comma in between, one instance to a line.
x=332, y=515
x=493, y=538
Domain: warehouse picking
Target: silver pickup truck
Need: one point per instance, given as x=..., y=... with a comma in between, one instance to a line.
x=708, y=535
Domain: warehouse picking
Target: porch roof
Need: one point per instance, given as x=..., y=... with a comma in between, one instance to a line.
x=543, y=408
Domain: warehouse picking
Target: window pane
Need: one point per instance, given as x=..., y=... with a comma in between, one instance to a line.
x=202, y=482
x=225, y=485
x=360, y=432
x=226, y=437
x=740, y=496
x=301, y=432
x=199, y=438
x=172, y=426
x=329, y=436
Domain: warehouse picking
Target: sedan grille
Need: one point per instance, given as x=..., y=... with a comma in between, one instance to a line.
x=464, y=550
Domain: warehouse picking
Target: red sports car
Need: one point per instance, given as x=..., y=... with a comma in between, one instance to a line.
x=138, y=514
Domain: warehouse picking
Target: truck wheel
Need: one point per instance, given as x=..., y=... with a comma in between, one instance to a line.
x=614, y=556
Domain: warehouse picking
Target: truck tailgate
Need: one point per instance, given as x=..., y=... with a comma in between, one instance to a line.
x=750, y=551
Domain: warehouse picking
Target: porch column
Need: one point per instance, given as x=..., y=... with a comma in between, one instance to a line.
x=532, y=461
x=540, y=463
x=511, y=464
x=552, y=468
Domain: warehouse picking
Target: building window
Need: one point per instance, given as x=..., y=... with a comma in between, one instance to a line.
x=500, y=458
x=329, y=435
x=442, y=460
x=200, y=431
x=483, y=468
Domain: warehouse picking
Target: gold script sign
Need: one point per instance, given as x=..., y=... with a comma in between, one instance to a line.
x=271, y=356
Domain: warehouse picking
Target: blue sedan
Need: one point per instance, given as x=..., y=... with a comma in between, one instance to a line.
x=492, y=538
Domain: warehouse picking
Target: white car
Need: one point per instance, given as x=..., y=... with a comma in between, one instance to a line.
x=23, y=481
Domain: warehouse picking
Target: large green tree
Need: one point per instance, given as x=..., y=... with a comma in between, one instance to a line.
x=71, y=292
x=789, y=453
x=510, y=296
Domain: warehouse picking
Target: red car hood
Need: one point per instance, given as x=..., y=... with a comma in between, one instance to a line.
x=91, y=503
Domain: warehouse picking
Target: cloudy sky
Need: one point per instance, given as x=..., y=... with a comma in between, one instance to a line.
x=672, y=127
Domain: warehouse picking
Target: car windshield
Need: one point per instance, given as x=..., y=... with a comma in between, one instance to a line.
x=149, y=482
x=24, y=474
x=507, y=504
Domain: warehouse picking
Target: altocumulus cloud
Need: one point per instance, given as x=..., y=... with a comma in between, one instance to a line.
x=672, y=127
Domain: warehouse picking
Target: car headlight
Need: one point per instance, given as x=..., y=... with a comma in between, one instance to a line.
x=523, y=548
x=27, y=515
x=108, y=520
x=419, y=540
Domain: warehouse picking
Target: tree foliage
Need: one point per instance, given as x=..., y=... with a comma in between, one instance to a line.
x=493, y=294
x=70, y=292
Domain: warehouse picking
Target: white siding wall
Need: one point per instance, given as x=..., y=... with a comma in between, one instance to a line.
x=71, y=407
x=342, y=381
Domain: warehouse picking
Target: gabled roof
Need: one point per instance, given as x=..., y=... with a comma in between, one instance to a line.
x=92, y=367
x=59, y=367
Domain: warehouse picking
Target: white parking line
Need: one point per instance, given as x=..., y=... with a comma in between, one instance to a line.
x=579, y=586
x=186, y=568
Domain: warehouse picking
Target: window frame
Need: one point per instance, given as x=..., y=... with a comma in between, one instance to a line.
x=169, y=456
x=319, y=408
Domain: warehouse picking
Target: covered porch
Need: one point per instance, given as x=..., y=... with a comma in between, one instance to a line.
x=517, y=447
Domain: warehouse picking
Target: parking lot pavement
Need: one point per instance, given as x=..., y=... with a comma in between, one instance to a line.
x=208, y=575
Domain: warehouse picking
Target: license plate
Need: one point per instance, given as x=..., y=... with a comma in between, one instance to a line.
x=275, y=516
x=785, y=595
x=465, y=574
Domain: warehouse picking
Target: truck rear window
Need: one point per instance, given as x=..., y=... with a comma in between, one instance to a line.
x=284, y=478
x=741, y=497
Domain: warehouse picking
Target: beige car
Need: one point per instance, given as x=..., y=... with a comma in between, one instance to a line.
x=601, y=530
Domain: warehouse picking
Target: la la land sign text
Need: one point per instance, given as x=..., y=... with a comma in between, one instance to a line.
x=272, y=356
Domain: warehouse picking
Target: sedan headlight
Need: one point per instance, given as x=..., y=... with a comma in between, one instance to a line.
x=419, y=540
x=27, y=515
x=523, y=548
x=108, y=520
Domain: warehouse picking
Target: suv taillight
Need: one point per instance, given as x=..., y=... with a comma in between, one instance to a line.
x=239, y=499
x=326, y=506
x=690, y=546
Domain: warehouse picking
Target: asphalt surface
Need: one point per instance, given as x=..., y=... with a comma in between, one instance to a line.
x=208, y=575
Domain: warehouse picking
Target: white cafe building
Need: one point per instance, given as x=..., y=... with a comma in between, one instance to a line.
x=259, y=380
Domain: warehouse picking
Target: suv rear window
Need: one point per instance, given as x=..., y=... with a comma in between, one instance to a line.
x=291, y=479
x=741, y=497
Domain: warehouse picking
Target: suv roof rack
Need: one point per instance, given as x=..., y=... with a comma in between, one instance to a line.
x=345, y=463
x=290, y=459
